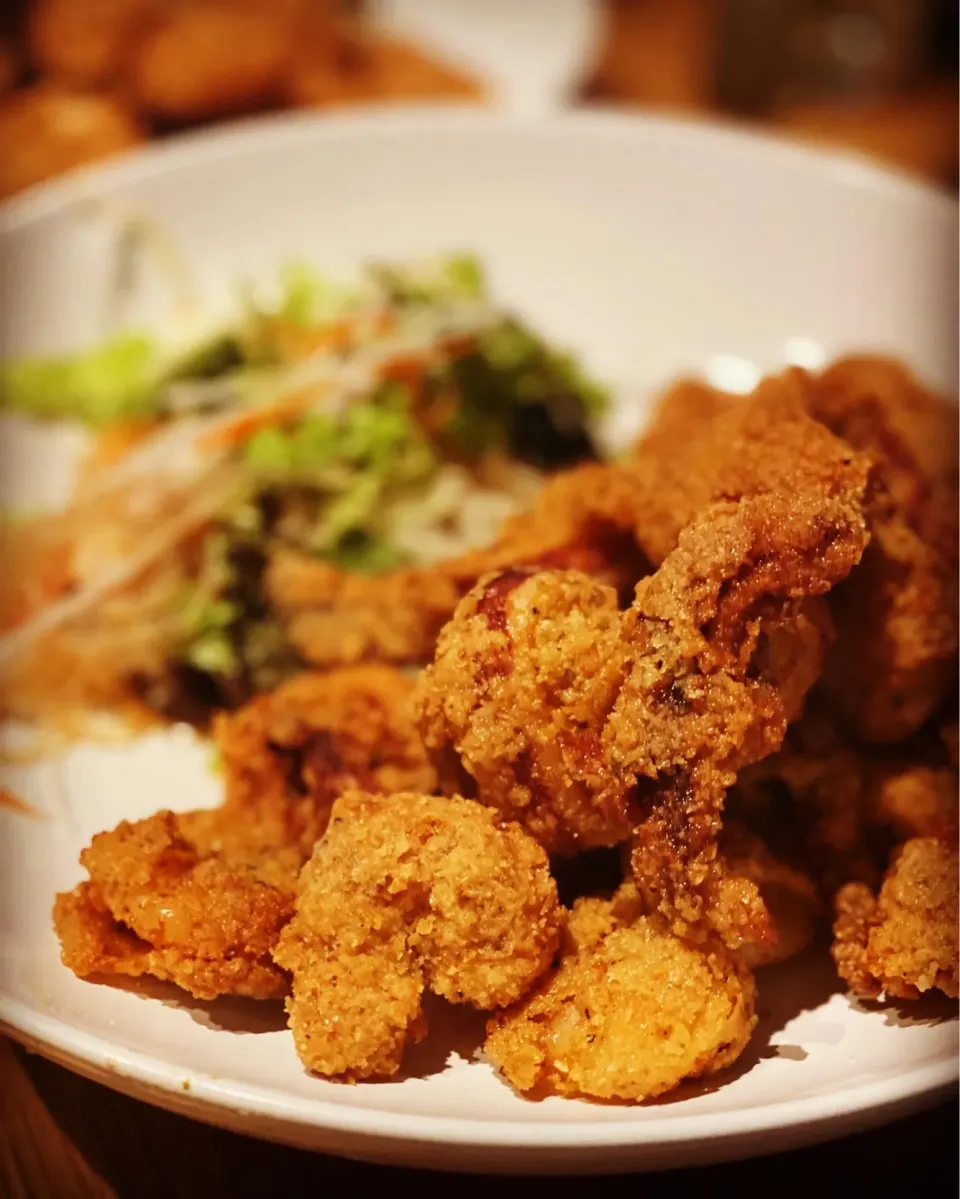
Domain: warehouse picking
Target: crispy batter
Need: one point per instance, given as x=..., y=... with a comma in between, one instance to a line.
x=286, y=756
x=46, y=130
x=849, y=806
x=896, y=653
x=556, y=706
x=157, y=903
x=583, y=519
x=629, y=1013
x=698, y=701
x=766, y=443
x=407, y=893
x=903, y=941
x=524, y=677
x=790, y=896
x=897, y=617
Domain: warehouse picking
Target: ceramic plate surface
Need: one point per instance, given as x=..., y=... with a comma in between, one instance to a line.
x=651, y=248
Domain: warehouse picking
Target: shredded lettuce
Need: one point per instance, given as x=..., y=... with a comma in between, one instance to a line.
x=112, y=382
x=304, y=294
x=457, y=277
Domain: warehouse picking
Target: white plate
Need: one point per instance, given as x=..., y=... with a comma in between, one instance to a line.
x=651, y=246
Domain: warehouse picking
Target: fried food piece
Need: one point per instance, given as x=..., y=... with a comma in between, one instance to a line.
x=86, y=42
x=583, y=519
x=630, y=1012
x=702, y=697
x=896, y=653
x=902, y=942
x=158, y=904
x=407, y=893
x=9, y=67
x=349, y=65
x=848, y=806
x=790, y=896
x=683, y=414
x=764, y=443
x=46, y=130
x=524, y=677
x=213, y=59
x=288, y=755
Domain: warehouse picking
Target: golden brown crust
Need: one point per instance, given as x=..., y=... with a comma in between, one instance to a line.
x=629, y=1013
x=286, y=756
x=525, y=675
x=902, y=942
x=407, y=893
x=896, y=653
x=157, y=904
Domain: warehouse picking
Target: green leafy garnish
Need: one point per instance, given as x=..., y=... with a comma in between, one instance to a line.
x=304, y=293
x=112, y=382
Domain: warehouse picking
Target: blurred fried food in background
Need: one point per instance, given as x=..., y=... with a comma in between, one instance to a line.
x=49, y=128
x=100, y=76
x=86, y=42
x=874, y=76
x=80, y=79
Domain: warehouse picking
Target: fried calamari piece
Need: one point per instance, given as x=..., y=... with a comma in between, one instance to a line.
x=524, y=677
x=703, y=694
x=903, y=941
x=288, y=755
x=158, y=904
x=583, y=519
x=735, y=449
x=896, y=653
x=407, y=893
x=630, y=1012
x=46, y=130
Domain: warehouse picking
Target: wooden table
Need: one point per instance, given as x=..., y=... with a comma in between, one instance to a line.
x=61, y=1136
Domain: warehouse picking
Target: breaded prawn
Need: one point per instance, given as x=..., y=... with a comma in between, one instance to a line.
x=630, y=1012
x=156, y=903
x=407, y=893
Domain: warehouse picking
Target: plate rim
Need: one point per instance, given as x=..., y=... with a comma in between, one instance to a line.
x=232, y=139
x=41, y=1032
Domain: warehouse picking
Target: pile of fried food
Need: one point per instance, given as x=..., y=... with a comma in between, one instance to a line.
x=84, y=79
x=690, y=704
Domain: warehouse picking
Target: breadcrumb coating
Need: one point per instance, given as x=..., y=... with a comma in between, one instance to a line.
x=407, y=893
x=156, y=904
x=630, y=1012
x=903, y=941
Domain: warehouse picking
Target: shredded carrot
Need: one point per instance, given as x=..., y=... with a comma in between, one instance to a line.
x=229, y=435
x=116, y=442
x=295, y=342
x=15, y=803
